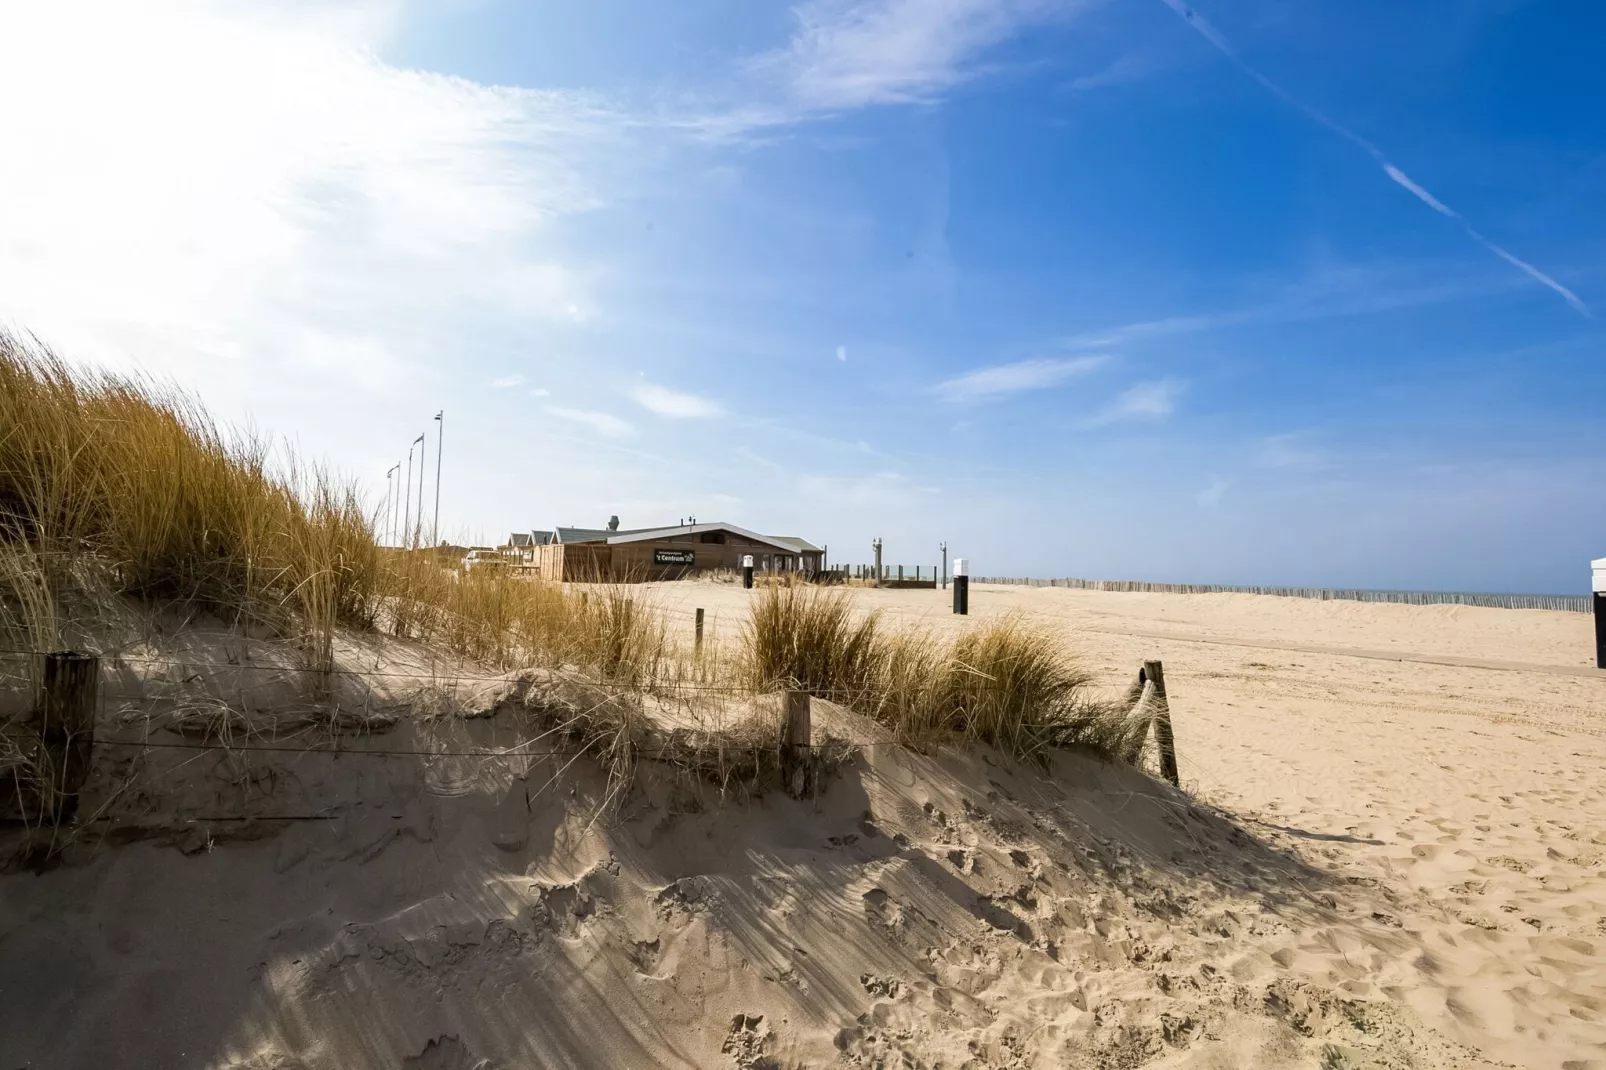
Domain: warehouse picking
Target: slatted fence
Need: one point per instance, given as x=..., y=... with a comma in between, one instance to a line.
x=1571, y=603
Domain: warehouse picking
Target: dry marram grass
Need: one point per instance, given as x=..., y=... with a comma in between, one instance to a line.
x=1001, y=682
x=124, y=488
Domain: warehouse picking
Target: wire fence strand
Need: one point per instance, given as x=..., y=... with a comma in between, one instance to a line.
x=1567, y=603
x=425, y=675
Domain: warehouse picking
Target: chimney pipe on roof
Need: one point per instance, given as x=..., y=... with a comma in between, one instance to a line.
x=613, y=523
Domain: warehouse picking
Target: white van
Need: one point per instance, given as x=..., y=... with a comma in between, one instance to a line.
x=484, y=559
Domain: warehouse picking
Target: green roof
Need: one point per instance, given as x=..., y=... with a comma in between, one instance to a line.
x=583, y=535
x=796, y=543
x=573, y=535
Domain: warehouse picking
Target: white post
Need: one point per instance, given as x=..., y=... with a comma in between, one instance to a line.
x=962, y=586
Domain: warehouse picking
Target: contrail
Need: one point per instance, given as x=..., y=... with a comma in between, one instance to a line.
x=1202, y=26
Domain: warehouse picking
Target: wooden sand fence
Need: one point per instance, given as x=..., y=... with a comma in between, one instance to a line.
x=1570, y=603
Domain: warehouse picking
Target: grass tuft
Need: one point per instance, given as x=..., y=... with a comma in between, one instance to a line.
x=1002, y=682
x=1011, y=685
x=807, y=638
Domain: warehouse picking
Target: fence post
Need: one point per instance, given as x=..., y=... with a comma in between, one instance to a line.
x=1153, y=672
x=797, y=756
x=697, y=649
x=67, y=728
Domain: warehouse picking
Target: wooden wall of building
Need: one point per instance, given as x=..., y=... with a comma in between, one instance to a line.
x=658, y=559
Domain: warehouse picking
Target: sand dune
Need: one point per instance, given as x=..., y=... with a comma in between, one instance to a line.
x=1375, y=863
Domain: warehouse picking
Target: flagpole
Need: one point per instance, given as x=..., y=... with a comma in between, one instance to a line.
x=440, y=437
x=407, y=503
x=423, y=451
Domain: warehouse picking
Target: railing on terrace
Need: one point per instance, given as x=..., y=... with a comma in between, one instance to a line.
x=918, y=573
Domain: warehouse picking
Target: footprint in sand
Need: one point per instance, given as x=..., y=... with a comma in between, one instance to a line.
x=884, y=987
x=883, y=911
x=964, y=861
x=748, y=1041
x=446, y=1052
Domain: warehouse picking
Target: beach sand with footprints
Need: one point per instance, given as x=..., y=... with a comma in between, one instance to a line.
x=1389, y=850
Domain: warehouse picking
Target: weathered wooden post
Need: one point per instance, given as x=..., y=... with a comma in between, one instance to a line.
x=697, y=649
x=797, y=755
x=1153, y=672
x=747, y=571
x=67, y=728
x=961, y=586
x=1598, y=588
x=875, y=544
x=944, y=548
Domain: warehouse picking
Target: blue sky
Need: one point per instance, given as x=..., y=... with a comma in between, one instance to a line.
x=1253, y=292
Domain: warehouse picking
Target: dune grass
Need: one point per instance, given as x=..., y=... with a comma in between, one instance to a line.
x=1001, y=682
x=135, y=477
x=124, y=487
x=131, y=479
x=807, y=638
x=1013, y=686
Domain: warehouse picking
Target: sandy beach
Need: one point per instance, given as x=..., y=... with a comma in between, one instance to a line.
x=1390, y=850
x=1401, y=748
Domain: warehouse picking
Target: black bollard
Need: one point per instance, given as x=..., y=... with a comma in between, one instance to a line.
x=747, y=571
x=1598, y=574
x=961, y=586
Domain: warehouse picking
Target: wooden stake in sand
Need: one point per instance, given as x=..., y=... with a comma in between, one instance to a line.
x=67, y=728
x=698, y=647
x=1154, y=673
x=797, y=756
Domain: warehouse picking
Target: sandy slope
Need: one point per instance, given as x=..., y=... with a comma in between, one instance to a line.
x=1473, y=800
x=1395, y=864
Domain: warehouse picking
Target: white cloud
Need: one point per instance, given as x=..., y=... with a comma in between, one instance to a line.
x=676, y=405
x=880, y=489
x=540, y=392
x=603, y=423
x=507, y=381
x=857, y=53
x=842, y=354
x=1152, y=401
x=1285, y=451
x=1131, y=67
x=748, y=454
x=1346, y=290
x=1003, y=379
x=1212, y=494
x=247, y=193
